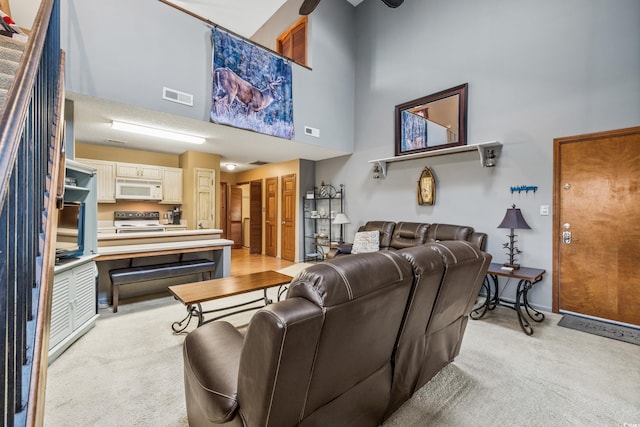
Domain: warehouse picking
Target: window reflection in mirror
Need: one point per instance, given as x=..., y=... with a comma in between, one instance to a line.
x=432, y=122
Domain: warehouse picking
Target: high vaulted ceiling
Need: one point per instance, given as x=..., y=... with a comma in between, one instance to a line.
x=92, y=116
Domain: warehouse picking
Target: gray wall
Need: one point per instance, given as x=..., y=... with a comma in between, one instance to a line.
x=324, y=94
x=536, y=71
x=126, y=51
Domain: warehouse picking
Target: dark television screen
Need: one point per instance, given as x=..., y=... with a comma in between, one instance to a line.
x=70, y=233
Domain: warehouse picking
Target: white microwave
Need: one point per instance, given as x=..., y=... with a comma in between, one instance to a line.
x=138, y=189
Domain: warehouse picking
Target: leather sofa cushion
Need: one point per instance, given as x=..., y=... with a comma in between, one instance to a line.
x=333, y=282
x=438, y=232
x=384, y=227
x=363, y=298
x=462, y=260
x=408, y=234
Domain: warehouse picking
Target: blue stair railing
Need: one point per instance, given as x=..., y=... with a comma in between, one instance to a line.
x=30, y=159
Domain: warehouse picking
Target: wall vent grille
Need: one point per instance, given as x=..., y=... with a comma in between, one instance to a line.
x=177, y=96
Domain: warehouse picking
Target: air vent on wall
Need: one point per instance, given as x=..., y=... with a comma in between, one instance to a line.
x=259, y=163
x=177, y=96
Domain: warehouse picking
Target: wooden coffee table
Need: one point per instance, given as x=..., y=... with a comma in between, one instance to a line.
x=192, y=295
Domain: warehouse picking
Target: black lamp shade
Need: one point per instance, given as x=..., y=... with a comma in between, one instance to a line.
x=513, y=219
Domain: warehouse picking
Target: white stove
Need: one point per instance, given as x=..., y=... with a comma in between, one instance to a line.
x=136, y=221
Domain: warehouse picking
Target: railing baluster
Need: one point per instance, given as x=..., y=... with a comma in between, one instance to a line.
x=27, y=149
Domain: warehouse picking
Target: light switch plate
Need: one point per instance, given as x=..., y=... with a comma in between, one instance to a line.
x=544, y=209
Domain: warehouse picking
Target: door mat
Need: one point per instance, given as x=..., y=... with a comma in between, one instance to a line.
x=603, y=329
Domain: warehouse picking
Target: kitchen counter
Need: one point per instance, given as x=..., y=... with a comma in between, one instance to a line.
x=117, y=251
x=146, y=237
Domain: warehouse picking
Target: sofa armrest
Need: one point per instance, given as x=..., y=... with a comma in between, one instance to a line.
x=211, y=360
x=479, y=239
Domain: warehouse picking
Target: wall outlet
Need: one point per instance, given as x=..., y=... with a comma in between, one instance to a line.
x=544, y=210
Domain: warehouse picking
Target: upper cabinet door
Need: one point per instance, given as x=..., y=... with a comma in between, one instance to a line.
x=172, y=186
x=106, y=184
x=130, y=170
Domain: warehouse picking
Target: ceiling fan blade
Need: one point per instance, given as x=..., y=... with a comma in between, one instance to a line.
x=393, y=3
x=308, y=6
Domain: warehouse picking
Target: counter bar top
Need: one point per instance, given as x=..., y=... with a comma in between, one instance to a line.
x=169, y=233
x=160, y=248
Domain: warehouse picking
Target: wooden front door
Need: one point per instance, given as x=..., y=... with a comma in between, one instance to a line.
x=235, y=217
x=288, y=226
x=271, y=219
x=597, y=225
x=255, y=217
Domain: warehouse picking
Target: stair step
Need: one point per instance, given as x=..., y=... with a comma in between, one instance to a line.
x=8, y=67
x=10, y=54
x=12, y=43
x=6, y=80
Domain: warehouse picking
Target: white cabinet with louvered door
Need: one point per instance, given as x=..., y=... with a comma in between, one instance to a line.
x=172, y=186
x=73, y=304
x=106, y=184
x=131, y=170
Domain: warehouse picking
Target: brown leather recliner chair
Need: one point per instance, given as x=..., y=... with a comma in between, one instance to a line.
x=431, y=338
x=320, y=357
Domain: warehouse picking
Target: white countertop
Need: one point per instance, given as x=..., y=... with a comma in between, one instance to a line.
x=153, y=234
x=162, y=246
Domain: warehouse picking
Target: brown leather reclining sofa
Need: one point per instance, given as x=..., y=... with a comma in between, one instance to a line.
x=407, y=234
x=354, y=338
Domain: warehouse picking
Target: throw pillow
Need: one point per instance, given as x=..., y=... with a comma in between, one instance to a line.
x=366, y=241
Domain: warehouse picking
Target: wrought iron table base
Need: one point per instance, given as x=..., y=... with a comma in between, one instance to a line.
x=197, y=311
x=521, y=304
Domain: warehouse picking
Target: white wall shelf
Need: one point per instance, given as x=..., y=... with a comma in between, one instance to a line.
x=482, y=148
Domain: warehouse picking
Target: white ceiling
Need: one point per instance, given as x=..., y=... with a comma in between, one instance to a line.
x=93, y=116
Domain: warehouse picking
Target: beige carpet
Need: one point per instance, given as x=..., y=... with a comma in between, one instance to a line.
x=127, y=371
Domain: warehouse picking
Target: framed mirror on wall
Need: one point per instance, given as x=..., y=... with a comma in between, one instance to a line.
x=432, y=122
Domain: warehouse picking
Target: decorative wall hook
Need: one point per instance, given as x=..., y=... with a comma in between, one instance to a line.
x=525, y=188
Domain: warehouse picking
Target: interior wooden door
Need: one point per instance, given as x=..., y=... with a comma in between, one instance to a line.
x=597, y=225
x=255, y=217
x=288, y=224
x=205, y=191
x=271, y=217
x=235, y=217
x=224, y=212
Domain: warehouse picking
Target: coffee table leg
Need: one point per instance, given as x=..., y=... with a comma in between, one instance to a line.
x=192, y=311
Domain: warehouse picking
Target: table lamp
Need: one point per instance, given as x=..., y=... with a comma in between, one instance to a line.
x=513, y=220
x=341, y=219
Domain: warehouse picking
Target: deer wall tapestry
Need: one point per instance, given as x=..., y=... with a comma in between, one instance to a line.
x=251, y=87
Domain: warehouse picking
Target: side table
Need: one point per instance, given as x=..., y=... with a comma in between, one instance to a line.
x=527, y=278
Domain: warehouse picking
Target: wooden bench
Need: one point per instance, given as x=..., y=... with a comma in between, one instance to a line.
x=143, y=273
x=193, y=294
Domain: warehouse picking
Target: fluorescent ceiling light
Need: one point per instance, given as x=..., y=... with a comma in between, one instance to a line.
x=159, y=133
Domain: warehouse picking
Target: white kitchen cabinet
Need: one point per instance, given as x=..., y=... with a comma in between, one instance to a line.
x=131, y=170
x=73, y=304
x=106, y=184
x=172, y=186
